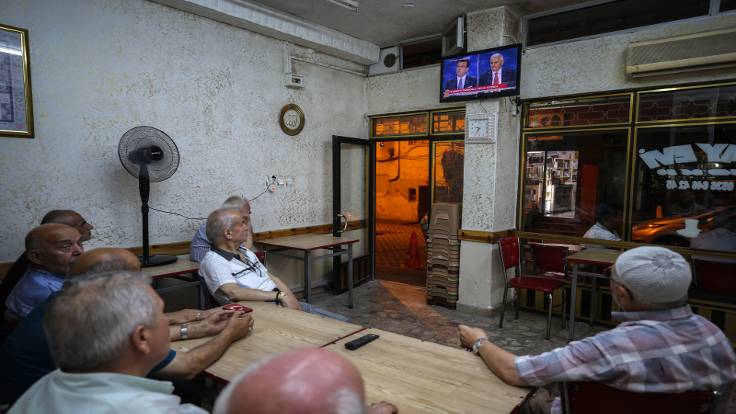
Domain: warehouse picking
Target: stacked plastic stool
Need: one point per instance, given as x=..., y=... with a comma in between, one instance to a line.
x=443, y=255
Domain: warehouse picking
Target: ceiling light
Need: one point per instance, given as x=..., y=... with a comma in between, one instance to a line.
x=348, y=4
x=408, y=5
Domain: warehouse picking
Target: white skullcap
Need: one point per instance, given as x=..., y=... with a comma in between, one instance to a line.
x=653, y=274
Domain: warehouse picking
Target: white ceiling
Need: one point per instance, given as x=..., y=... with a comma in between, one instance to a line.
x=389, y=22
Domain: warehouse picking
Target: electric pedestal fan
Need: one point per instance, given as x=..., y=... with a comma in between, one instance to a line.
x=149, y=155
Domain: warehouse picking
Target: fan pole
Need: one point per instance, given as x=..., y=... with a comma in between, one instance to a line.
x=144, y=187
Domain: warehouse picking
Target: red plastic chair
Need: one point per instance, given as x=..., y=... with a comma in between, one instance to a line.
x=550, y=260
x=595, y=397
x=510, y=253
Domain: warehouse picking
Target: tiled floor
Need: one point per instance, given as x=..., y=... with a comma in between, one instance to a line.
x=402, y=308
x=392, y=245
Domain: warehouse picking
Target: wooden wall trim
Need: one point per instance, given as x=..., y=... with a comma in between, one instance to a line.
x=484, y=236
x=182, y=247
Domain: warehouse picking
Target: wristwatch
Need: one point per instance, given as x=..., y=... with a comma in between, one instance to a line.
x=279, y=296
x=184, y=331
x=478, y=342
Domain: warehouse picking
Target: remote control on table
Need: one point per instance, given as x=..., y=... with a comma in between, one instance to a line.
x=357, y=343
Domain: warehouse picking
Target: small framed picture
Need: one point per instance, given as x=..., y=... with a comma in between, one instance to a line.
x=16, y=109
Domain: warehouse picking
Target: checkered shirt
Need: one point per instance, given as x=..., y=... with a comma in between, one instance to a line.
x=654, y=351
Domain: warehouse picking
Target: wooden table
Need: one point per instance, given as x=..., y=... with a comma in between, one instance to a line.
x=595, y=256
x=276, y=330
x=306, y=243
x=424, y=377
x=178, y=270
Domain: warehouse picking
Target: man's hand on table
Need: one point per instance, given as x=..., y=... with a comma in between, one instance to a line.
x=214, y=323
x=189, y=315
x=382, y=407
x=290, y=301
x=239, y=325
x=469, y=334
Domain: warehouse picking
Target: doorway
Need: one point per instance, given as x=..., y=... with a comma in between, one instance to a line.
x=402, y=201
x=410, y=175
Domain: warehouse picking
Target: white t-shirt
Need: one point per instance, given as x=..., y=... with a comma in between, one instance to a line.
x=219, y=267
x=101, y=392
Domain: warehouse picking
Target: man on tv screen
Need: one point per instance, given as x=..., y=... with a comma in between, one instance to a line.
x=461, y=80
x=498, y=76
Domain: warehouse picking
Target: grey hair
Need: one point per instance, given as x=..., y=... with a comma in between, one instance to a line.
x=235, y=201
x=220, y=220
x=497, y=55
x=345, y=400
x=89, y=323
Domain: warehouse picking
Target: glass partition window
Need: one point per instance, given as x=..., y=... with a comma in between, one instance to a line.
x=449, y=158
x=448, y=122
x=400, y=125
x=573, y=181
x=579, y=112
x=713, y=102
x=684, y=187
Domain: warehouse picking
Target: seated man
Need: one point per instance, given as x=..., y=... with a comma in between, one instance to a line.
x=16, y=271
x=660, y=345
x=306, y=381
x=52, y=249
x=25, y=355
x=233, y=273
x=607, y=221
x=201, y=244
x=103, y=369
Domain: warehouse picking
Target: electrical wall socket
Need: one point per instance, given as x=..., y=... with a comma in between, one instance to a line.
x=279, y=180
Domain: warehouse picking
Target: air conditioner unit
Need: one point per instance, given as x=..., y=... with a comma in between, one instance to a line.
x=694, y=52
x=453, y=40
x=389, y=60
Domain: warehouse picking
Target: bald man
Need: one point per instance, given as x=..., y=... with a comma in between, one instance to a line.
x=25, y=355
x=51, y=249
x=307, y=381
x=18, y=269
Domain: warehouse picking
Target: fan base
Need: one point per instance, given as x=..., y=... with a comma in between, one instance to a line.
x=157, y=260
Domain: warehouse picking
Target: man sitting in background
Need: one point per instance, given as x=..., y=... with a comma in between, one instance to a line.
x=25, y=355
x=51, y=249
x=306, y=381
x=106, y=332
x=201, y=244
x=607, y=221
x=16, y=271
x=660, y=346
x=233, y=273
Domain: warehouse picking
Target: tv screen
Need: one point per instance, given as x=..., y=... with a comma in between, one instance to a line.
x=487, y=73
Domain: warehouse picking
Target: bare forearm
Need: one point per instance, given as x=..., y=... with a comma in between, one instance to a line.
x=502, y=363
x=237, y=293
x=201, y=357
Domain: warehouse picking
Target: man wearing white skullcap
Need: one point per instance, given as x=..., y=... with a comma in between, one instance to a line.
x=660, y=346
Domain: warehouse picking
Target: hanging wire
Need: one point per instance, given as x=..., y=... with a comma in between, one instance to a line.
x=202, y=218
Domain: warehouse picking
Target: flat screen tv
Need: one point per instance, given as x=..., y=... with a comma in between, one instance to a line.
x=484, y=74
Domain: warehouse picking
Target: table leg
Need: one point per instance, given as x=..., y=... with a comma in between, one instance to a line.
x=307, y=277
x=593, y=299
x=350, y=276
x=573, y=295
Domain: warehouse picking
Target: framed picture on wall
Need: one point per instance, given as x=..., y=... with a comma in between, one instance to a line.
x=16, y=110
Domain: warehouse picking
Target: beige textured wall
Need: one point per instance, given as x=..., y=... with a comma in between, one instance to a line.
x=100, y=67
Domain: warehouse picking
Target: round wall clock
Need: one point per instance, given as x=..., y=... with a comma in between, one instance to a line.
x=291, y=119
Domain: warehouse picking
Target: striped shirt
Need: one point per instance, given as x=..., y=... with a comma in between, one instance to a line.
x=200, y=244
x=650, y=351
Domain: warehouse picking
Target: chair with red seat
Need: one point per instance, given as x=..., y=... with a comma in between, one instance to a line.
x=549, y=260
x=596, y=397
x=510, y=257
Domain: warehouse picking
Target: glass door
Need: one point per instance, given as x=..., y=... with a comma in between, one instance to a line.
x=352, y=210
